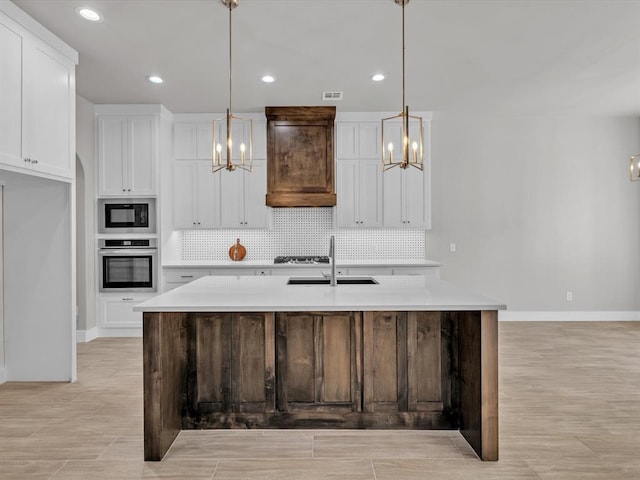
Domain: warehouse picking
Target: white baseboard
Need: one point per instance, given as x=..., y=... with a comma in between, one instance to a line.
x=85, y=336
x=3, y=375
x=527, y=316
x=120, y=332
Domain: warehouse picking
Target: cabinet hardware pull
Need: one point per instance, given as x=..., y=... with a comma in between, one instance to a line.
x=127, y=299
x=186, y=276
x=34, y=161
x=27, y=159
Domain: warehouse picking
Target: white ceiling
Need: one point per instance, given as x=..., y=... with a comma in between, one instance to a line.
x=510, y=56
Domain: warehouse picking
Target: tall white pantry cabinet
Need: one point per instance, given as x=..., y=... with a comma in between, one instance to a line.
x=37, y=176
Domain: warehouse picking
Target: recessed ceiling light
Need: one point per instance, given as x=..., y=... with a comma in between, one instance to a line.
x=268, y=79
x=89, y=14
x=378, y=77
x=155, y=79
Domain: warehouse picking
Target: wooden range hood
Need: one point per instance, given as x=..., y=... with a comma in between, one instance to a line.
x=300, y=166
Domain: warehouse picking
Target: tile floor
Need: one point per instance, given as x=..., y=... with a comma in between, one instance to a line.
x=569, y=409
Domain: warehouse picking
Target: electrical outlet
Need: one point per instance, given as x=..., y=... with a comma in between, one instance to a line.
x=452, y=247
x=569, y=296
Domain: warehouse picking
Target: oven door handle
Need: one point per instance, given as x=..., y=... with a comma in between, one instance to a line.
x=127, y=252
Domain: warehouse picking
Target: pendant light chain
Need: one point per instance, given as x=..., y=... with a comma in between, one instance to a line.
x=230, y=36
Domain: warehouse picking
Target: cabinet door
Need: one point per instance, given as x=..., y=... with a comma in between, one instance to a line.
x=112, y=159
x=205, y=141
x=256, y=212
x=393, y=204
x=47, y=116
x=370, y=193
x=424, y=366
x=184, y=195
x=232, y=199
x=185, y=140
x=415, y=197
x=347, y=190
x=233, y=363
x=347, y=140
x=207, y=195
x=318, y=362
x=369, y=140
x=117, y=312
x=260, y=139
x=142, y=155
x=10, y=97
x=385, y=361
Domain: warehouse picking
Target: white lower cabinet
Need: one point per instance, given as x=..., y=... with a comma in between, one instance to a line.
x=175, y=277
x=116, y=312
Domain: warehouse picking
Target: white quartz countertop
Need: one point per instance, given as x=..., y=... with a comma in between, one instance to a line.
x=271, y=293
x=341, y=263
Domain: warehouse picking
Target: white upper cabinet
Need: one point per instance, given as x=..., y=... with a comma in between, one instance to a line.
x=406, y=199
x=48, y=94
x=37, y=103
x=127, y=154
x=10, y=96
x=192, y=140
x=196, y=195
x=242, y=196
x=359, y=190
x=358, y=175
x=193, y=137
x=367, y=197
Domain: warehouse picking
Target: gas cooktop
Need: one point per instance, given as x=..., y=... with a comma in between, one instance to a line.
x=309, y=259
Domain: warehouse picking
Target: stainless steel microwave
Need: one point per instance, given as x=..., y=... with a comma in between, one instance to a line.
x=127, y=215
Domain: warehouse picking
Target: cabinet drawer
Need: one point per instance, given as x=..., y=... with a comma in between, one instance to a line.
x=185, y=276
x=427, y=272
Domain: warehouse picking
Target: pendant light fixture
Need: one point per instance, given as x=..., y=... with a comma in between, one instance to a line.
x=402, y=133
x=242, y=128
x=634, y=168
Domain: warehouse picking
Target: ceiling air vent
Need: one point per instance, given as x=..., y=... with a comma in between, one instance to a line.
x=329, y=96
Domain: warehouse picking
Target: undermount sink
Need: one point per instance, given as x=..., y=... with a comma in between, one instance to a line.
x=327, y=281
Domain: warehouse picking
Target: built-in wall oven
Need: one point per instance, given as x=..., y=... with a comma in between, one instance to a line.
x=127, y=215
x=128, y=265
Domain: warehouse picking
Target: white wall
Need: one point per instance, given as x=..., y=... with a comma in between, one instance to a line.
x=38, y=273
x=538, y=207
x=3, y=374
x=86, y=213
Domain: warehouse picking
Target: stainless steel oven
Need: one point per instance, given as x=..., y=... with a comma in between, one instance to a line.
x=127, y=215
x=128, y=265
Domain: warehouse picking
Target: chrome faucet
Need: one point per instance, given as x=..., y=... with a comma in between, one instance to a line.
x=332, y=256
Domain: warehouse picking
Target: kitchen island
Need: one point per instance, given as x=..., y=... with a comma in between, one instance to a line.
x=254, y=352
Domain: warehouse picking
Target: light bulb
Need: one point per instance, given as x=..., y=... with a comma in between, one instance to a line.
x=414, y=145
x=242, y=147
x=218, y=148
x=390, y=147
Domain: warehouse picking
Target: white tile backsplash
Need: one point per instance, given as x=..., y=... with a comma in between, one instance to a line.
x=304, y=231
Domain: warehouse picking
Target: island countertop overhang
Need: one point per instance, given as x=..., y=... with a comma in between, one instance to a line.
x=271, y=293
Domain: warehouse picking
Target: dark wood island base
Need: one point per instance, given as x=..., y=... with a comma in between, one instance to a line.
x=357, y=370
